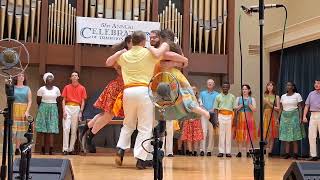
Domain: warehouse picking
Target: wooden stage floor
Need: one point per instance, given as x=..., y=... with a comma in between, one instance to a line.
x=101, y=166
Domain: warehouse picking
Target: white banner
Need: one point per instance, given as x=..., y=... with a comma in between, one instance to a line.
x=110, y=31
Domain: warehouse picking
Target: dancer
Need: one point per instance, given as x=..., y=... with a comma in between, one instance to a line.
x=290, y=121
x=313, y=104
x=224, y=105
x=187, y=103
x=207, y=98
x=47, y=120
x=137, y=67
x=245, y=107
x=74, y=96
x=21, y=109
x=270, y=99
x=107, y=99
x=192, y=133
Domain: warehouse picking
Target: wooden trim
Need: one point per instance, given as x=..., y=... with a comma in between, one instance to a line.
x=299, y=33
x=230, y=40
x=77, y=47
x=186, y=31
x=155, y=7
x=43, y=37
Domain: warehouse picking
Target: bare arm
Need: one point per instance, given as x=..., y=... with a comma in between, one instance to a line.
x=252, y=105
x=305, y=112
x=172, y=56
x=114, y=58
x=300, y=111
x=29, y=103
x=82, y=105
x=158, y=53
x=277, y=105
x=39, y=100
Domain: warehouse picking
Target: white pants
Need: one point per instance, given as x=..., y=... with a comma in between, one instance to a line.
x=314, y=129
x=169, y=138
x=225, y=133
x=207, y=143
x=70, y=122
x=139, y=113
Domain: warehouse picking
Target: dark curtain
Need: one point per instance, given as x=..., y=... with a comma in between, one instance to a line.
x=301, y=65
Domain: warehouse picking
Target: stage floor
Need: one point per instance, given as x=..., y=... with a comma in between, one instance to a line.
x=101, y=166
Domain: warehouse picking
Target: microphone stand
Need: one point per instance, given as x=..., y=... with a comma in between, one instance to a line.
x=7, y=135
x=158, y=154
x=259, y=162
x=25, y=148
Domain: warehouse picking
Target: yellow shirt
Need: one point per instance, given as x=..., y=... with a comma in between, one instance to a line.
x=137, y=65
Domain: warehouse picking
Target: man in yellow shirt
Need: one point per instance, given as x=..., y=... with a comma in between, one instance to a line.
x=137, y=66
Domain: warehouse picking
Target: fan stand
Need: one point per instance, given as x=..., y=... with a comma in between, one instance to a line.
x=158, y=132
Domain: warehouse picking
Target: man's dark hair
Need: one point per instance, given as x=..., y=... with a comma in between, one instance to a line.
x=74, y=72
x=138, y=37
x=157, y=32
x=226, y=83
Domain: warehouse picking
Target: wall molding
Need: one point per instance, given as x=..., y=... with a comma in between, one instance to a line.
x=299, y=33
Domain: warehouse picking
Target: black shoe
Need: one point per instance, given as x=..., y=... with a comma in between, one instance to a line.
x=188, y=153
x=65, y=153
x=270, y=154
x=312, y=159
x=170, y=155
x=72, y=153
x=228, y=155
x=239, y=154
x=119, y=157
x=17, y=152
x=248, y=154
x=296, y=156
x=220, y=155
x=43, y=150
x=149, y=163
x=141, y=164
x=180, y=152
x=208, y=153
x=201, y=153
x=51, y=151
x=195, y=153
x=89, y=143
x=286, y=156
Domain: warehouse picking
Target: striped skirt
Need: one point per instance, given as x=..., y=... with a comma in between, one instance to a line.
x=241, y=132
x=290, y=127
x=20, y=124
x=47, y=120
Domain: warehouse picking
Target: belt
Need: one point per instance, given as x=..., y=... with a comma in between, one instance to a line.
x=225, y=112
x=118, y=104
x=72, y=104
x=135, y=85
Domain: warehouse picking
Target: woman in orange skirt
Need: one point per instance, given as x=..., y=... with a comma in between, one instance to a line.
x=107, y=99
x=270, y=100
x=245, y=108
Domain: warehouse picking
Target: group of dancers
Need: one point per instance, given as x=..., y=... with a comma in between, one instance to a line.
x=128, y=96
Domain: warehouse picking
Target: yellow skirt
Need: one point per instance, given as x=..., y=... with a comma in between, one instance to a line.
x=20, y=124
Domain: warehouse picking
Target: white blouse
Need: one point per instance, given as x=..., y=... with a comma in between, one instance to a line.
x=49, y=96
x=290, y=103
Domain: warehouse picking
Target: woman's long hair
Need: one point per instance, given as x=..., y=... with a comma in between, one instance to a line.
x=123, y=44
x=274, y=89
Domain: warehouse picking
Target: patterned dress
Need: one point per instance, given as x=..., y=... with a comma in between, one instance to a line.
x=192, y=130
x=274, y=126
x=186, y=101
x=109, y=95
x=244, y=114
x=20, y=124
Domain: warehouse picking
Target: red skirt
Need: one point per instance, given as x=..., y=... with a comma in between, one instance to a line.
x=192, y=130
x=109, y=95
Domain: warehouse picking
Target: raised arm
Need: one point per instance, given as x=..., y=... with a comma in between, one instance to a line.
x=158, y=53
x=114, y=58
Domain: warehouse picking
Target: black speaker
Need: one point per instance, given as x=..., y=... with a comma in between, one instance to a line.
x=303, y=171
x=47, y=169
